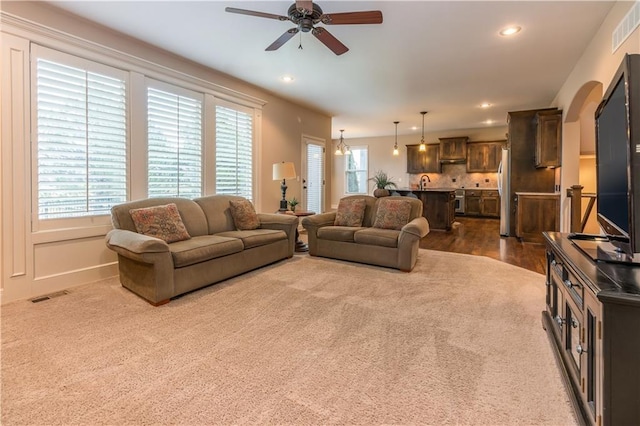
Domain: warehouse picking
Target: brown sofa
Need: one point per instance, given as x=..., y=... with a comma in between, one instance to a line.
x=158, y=271
x=366, y=244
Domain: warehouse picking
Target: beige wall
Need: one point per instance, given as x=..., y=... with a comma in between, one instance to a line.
x=597, y=65
x=381, y=158
x=588, y=181
x=35, y=263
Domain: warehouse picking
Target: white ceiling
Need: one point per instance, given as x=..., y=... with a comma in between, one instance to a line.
x=444, y=57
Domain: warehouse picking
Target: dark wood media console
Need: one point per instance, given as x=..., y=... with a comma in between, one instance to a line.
x=592, y=318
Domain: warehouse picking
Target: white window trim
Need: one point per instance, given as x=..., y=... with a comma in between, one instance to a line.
x=345, y=159
x=137, y=69
x=98, y=220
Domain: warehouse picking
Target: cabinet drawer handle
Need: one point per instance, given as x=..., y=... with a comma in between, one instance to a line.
x=580, y=350
x=574, y=323
x=560, y=320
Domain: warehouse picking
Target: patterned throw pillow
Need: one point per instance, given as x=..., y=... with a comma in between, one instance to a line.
x=244, y=215
x=392, y=214
x=350, y=212
x=162, y=222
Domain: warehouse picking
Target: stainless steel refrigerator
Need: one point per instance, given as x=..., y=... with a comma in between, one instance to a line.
x=504, y=191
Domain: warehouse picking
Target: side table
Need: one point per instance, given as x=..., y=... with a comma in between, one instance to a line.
x=301, y=246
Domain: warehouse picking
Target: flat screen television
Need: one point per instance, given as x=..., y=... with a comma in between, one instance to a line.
x=618, y=164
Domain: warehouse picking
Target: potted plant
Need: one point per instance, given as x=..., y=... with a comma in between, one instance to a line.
x=381, y=182
x=293, y=203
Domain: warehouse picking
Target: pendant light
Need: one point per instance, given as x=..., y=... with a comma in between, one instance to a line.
x=423, y=146
x=342, y=148
x=395, y=147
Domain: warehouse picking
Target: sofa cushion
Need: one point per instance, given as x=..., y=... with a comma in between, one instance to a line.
x=392, y=213
x=203, y=248
x=377, y=237
x=162, y=222
x=338, y=233
x=256, y=237
x=244, y=215
x=350, y=212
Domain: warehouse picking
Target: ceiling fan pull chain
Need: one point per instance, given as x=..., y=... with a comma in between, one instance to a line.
x=300, y=45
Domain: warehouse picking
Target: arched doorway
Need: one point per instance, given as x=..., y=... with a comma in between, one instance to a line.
x=580, y=129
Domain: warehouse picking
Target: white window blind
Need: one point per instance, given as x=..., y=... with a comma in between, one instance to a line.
x=234, y=152
x=315, y=177
x=81, y=140
x=174, y=144
x=356, y=170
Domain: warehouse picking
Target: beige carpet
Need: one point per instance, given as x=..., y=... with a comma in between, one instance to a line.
x=304, y=341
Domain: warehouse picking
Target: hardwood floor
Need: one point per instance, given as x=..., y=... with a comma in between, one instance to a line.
x=481, y=236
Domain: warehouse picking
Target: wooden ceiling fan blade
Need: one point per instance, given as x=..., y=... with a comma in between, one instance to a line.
x=282, y=39
x=330, y=41
x=347, y=18
x=256, y=13
x=306, y=5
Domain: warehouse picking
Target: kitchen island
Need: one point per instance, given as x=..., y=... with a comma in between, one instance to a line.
x=438, y=205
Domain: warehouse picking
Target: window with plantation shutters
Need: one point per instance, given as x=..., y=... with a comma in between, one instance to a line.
x=234, y=152
x=174, y=133
x=81, y=137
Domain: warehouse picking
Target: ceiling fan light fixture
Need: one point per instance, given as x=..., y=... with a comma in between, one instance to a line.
x=396, y=152
x=423, y=146
x=287, y=78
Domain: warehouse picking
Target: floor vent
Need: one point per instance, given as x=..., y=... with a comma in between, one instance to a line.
x=49, y=296
x=628, y=24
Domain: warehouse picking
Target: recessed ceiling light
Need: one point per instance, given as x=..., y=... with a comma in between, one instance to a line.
x=287, y=79
x=485, y=105
x=514, y=29
x=489, y=122
x=414, y=128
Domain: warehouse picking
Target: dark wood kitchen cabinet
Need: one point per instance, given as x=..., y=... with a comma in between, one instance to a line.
x=453, y=150
x=423, y=162
x=481, y=202
x=535, y=214
x=549, y=138
x=484, y=157
x=592, y=318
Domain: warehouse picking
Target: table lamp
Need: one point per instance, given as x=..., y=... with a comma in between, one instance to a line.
x=284, y=171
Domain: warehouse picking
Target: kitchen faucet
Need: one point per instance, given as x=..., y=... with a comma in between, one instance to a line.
x=423, y=183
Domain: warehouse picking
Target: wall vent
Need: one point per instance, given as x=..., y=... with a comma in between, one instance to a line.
x=628, y=24
x=49, y=296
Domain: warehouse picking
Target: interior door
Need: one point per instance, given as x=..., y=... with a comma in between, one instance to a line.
x=313, y=153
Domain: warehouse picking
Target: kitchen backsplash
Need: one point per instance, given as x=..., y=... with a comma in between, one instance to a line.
x=456, y=176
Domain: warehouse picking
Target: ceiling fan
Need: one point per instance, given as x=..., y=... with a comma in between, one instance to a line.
x=306, y=14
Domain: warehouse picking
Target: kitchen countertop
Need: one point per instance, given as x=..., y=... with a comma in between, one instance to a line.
x=557, y=194
x=425, y=190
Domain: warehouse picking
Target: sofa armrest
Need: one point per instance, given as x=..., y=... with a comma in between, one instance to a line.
x=281, y=222
x=318, y=221
x=136, y=246
x=418, y=227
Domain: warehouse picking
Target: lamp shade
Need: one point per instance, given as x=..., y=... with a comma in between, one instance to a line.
x=284, y=171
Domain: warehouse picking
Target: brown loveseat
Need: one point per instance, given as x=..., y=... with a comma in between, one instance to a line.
x=364, y=243
x=215, y=250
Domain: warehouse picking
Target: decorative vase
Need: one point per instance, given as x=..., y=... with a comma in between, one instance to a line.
x=293, y=209
x=381, y=192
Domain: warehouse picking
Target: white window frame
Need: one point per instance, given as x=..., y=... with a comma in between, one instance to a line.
x=364, y=172
x=45, y=53
x=178, y=91
x=255, y=153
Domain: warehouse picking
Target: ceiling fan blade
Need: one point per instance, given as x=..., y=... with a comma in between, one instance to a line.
x=255, y=13
x=330, y=41
x=368, y=17
x=282, y=39
x=304, y=5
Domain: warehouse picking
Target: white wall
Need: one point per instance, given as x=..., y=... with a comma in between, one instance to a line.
x=35, y=263
x=597, y=64
x=381, y=158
